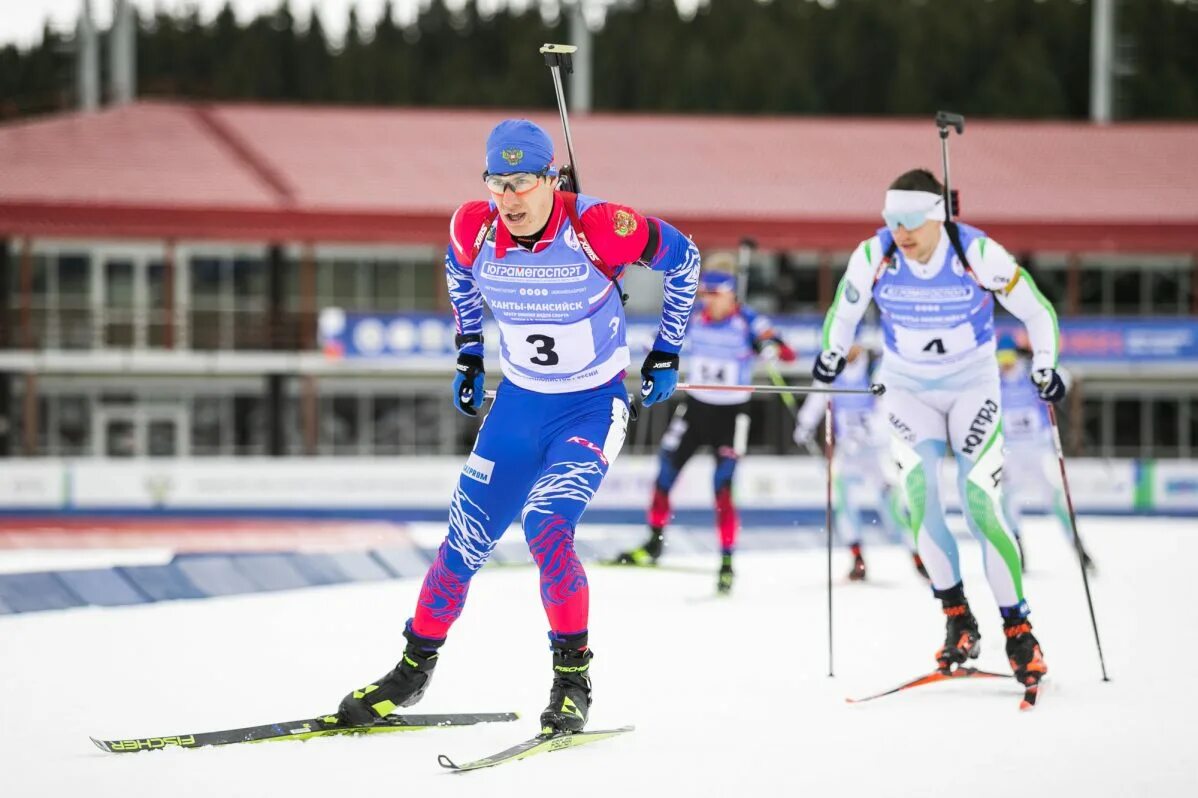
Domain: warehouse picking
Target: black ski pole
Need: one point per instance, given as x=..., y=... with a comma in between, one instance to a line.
x=557, y=58
x=1077, y=541
x=829, y=443
x=744, y=257
x=945, y=120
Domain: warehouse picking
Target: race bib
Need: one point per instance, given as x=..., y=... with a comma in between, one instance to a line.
x=710, y=371
x=549, y=348
x=1020, y=423
x=929, y=346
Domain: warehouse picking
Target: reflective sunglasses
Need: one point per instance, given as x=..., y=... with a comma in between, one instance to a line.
x=909, y=220
x=518, y=182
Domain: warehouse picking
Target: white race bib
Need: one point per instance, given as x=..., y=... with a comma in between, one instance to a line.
x=711, y=371
x=934, y=345
x=549, y=348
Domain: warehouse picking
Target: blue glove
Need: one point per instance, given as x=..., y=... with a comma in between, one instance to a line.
x=1052, y=387
x=468, y=384
x=659, y=377
x=827, y=367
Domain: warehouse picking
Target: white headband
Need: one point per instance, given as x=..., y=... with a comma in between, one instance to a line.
x=916, y=201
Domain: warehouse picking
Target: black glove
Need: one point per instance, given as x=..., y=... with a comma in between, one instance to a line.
x=1052, y=387
x=468, y=384
x=659, y=377
x=827, y=366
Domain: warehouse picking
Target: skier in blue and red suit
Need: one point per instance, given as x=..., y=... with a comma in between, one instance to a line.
x=724, y=340
x=547, y=264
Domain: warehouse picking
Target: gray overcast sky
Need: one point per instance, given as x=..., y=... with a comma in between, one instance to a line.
x=21, y=21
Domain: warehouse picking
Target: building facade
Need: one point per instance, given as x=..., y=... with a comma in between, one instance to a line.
x=163, y=268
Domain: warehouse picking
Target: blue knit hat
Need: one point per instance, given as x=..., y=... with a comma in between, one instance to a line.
x=717, y=281
x=517, y=145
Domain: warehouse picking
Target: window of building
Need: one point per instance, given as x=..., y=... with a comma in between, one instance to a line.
x=1094, y=426
x=157, y=306
x=119, y=314
x=72, y=426
x=59, y=309
x=1125, y=291
x=228, y=302
x=795, y=287
x=208, y=425
x=1052, y=280
x=1136, y=285
x=1091, y=291
x=250, y=304
x=1170, y=291
x=1191, y=428
x=340, y=424
x=1165, y=421
x=75, y=328
x=207, y=308
x=249, y=425
x=1128, y=427
x=374, y=284
x=1118, y=424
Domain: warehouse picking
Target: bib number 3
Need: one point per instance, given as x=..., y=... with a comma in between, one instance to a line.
x=545, y=354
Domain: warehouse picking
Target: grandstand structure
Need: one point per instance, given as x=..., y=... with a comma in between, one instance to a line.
x=164, y=265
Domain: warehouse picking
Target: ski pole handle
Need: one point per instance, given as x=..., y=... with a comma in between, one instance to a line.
x=947, y=119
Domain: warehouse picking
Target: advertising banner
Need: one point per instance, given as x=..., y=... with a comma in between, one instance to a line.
x=425, y=335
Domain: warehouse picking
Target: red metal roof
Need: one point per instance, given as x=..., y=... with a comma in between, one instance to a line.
x=294, y=173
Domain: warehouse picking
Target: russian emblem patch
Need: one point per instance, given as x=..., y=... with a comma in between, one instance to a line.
x=624, y=223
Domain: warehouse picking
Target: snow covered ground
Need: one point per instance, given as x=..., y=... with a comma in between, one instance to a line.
x=729, y=696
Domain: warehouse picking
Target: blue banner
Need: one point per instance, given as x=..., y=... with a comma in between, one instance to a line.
x=429, y=335
x=1158, y=340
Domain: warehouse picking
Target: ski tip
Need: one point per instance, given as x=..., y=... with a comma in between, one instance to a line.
x=99, y=744
x=446, y=762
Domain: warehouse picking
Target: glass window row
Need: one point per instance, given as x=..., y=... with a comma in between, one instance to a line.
x=398, y=419
x=81, y=299
x=76, y=298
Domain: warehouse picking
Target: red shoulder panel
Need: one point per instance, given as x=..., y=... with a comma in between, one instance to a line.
x=464, y=225
x=616, y=232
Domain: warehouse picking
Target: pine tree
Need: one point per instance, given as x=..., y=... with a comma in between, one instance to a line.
x=1026, y=58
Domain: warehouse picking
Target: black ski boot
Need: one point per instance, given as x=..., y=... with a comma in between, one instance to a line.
x=857, y=573
x=647, y=554
x=570, y=695
x=962, y=640
x=402, y=687
x=723, y=584
x=1023, y=652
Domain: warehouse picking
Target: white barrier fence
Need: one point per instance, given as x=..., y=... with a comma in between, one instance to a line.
x=426, y=483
